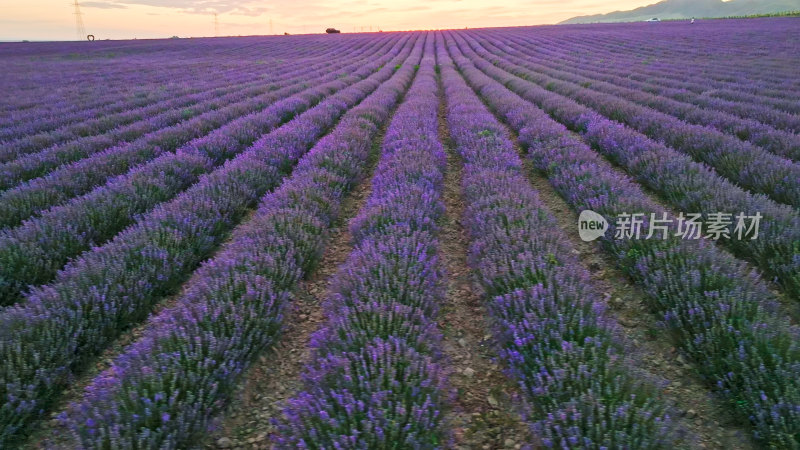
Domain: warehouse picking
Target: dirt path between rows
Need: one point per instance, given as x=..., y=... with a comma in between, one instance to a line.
x=707, y=421
x=275, y=376
x=483, y=414
x=52, y=433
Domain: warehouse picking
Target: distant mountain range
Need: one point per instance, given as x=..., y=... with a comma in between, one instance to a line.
x=685, y=9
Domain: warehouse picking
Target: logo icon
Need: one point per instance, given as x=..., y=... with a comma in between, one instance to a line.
x=591, y=225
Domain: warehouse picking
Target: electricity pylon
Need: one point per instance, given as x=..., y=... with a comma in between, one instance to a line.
x=79, y=28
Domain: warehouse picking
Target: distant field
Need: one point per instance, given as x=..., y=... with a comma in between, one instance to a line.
x=576, y=236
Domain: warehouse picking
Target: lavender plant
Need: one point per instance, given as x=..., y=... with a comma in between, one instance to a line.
x=745, y=164
x=164, y=390
x=62, y=325
x=553, y=335
x=33, y=253
x=82, y=176
x=375, y=380
x=719, y=312
x=686, y=184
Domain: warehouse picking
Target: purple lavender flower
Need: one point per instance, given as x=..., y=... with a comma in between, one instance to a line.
x=165, y=389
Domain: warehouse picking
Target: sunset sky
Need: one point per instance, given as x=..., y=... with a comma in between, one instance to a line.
x=124, y=19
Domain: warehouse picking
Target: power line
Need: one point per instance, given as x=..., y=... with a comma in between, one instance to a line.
x=79, y=28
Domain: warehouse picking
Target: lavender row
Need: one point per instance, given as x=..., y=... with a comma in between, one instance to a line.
x=739, y=66
x=27, y=144
x=48, y=116
x=733, y=94
x=33, y=253
x=120, y=105
x=233, y=307
x=681, y=90
x=749, y=129
x=669, y=66
x=554, y=337
x=119, y=58
x=42, y=112
x=105, y=121
x=718, y=311
x=681, y=181
x=737, y=93
x=43, y=118
x=728, y=58
x=80, y=177
x=105, y=94
x=22, y=167
x=95, y=297
x=781, y=104
x=781, y=143
x=132, y=123
x=745, y=164
x=375, y=380
x=667, y=70
x=664, y=62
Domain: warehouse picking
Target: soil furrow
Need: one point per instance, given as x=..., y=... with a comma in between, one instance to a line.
x=275, y=376
x=483, y=415
x=708, y=420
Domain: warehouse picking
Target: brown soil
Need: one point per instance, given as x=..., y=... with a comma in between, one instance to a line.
x=708, y=421
x=483, y=413
x=275, y=376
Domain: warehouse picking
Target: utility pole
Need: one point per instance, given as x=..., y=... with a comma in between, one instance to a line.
x=216, y=25
x=270, y=27
x=79, y=28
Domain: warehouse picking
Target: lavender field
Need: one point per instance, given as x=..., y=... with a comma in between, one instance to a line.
x=378, y=240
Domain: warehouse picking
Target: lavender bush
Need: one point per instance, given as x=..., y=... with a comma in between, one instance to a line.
x=33, y=253
x=62, y=325
x=686, y=184
x=743, y=163
x=551, y=329
x=79, y=177
x=233, y=306
x=375, y=380
x=719, y=312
